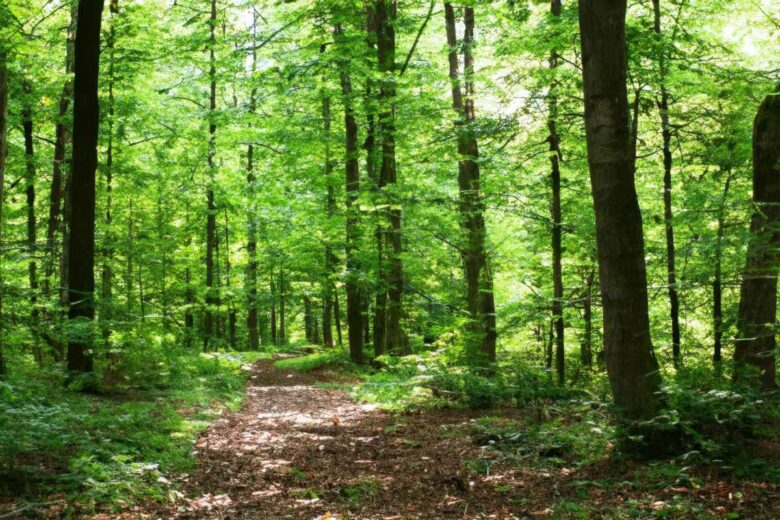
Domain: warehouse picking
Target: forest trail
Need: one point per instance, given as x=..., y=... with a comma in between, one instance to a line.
x=301, y=451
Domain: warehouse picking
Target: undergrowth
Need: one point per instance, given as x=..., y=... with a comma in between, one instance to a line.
x=128, y=441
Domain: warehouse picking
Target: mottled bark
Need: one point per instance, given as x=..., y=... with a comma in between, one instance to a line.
x=717, y=279
x=754, y=352
x=631, y=364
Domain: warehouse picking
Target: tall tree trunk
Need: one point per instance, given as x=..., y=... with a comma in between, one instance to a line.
x=663, y=110
x=337, y=314
x=32, y=266
x=251, y=245
x=586, y=348
x=274, y=332
x=212, y=297
x=58, y=194
x=81, y=253
x=479, y=283
x=330, y=210
x=107, y=275
x=373, y=159
x=555, y=209
x=755, y=346
x=282, y=307
x=717, y=283
x=386, y=10
x=631, y=364
x=3, y=135
x=232, y=317
x=354, y=315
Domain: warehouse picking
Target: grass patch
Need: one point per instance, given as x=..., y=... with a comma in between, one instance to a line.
x=124, y=444
x=328, y=358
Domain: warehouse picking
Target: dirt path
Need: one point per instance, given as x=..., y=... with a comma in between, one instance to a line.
x=300, y=451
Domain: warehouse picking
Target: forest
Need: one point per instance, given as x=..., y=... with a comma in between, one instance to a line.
x=389, y=259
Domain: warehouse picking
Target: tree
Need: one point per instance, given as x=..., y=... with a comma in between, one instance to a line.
x=3, y=135
x=631, y=364
x=479, y=279
x=755, y=345
x=81, y=253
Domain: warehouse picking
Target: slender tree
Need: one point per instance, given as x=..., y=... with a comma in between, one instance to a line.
x=354, y=316
x=755, y=345
x=555, y=207
x=631, y=364
x=30, y=170
x=212, y=292
x=3, y=134
x=663, y=111
x=386, y=12
x=251, y=245
x=479, y=280
x=81, y=253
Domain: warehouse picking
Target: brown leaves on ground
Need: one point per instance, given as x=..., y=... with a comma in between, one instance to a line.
x=297, y=451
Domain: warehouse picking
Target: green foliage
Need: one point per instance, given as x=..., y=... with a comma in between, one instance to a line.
x=117, y=447
x=334, y=358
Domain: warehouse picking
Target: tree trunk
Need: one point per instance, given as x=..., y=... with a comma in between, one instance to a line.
x=282, y=307
x=58, y=219
x=337, y=314
x=754, y=352
x=586, y=349
x=232, y=317
x=481, y=334
x=717, y=284
x=631, y=364
x=663, y=110
x=555, y=209
x=3, y=135
x=274, y=332
x=354, y=316
x=385, y=28
x=330, y=210
x=32, y=266
x=251, y=245
x=81, y=253
x=212, y=297
x=107, y=275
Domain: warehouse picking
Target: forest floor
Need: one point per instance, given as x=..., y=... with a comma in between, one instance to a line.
x=301, y=448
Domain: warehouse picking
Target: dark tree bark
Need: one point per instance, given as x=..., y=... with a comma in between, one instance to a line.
x=282, y=307
x=586, y=348
x=481, y=341
x=555, y=211
x=337, y=316
x=81, y=253
x=385, y=10
x=717, y=282
x=754, y=352
x=3, y=135
x=32, y=250
x=663, y=111
x=58, y=194
x=330, y=210
x=354, y=316
x=631, y=364
x=251, y=243
x=232, y=314
x=274, y=332
x=212, y=296
x=107, y=275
